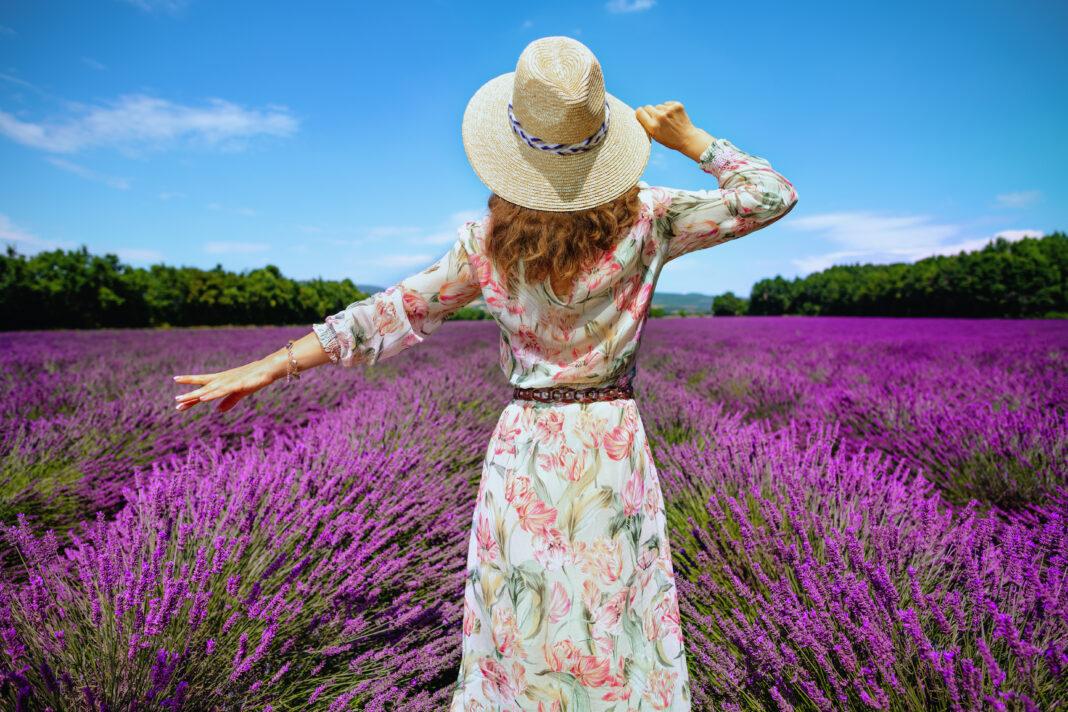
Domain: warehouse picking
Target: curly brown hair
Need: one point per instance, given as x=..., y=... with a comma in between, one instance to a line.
x=555, y=245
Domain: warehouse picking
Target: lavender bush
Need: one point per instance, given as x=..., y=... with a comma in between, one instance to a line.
x=864, y=514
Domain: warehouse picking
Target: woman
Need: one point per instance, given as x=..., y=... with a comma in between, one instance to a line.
x=570, y=600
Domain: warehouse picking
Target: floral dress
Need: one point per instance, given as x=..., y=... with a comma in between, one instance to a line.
x=570, y=602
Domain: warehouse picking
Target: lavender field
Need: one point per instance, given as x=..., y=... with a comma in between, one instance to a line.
x=865, y=514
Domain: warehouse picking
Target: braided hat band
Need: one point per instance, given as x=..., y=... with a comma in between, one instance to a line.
x=562, y=149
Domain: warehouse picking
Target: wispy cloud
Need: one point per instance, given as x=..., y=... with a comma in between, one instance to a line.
x=88, y=173
x=629, y=5
x=25, y=241
x=1020, y=199
x=171, y=195
x=235, y=248
x=171, y=6
x=138, y=122
x=93, y=64
x=448, y=231
x=5, y=30
x=138, y=254
x=868, y=237
x=219, y=207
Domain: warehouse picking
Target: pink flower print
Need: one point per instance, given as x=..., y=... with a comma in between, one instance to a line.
x=517, y=489
x=590, y=429
x=573, y=463
x=554, y=707
x=591, y=671
x=416, y=307
x=660, y=688
x=624, y=291
x=603, y=558
x=744, y=225
x=561, y=655
x=580, y=367
x=470, y=619
x=630, y=415
x=606, y=621
x=483, y=269
x=550, y=427
x=410, y=339
x=344, y=337
x=487, y=545
x=653, y=501
x=641, y=300
x=496, y=295
x=550, y=549
x=601, y=272
x=618, y=441
x=386, y=319
x=591, y=594
x=497, y=684
x=661, y=201
x=505, y=435
x=559, y=603
x=649, y=249
x=633, y=493
x=536, y=517
x=457, y=292
x=506, y=636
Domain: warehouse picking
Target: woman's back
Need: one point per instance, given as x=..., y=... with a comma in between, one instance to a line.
x=591, y=336
x=588, y=337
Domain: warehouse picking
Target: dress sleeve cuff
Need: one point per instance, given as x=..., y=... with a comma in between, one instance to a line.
x=720, y=157
x=328, y=339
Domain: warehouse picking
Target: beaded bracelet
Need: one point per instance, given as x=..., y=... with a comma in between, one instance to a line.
x=292, y=367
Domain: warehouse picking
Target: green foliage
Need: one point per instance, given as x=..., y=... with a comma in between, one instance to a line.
x=729, y=304
x=1026, y=278
x=657, y=312
x=74, y=289
x=470, y=313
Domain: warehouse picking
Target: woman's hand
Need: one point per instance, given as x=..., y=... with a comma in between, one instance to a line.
x=669, y=125
x=231, y=386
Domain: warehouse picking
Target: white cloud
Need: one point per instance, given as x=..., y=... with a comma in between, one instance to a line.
x=232, y=248
x=5, y=30
x=88, y=173
x=93, y=64
x=25, y=241
x=135, y=122
x=870, y=238
x=1019, y=199
x=448, y=233
x=629, y=5
x=138, y=254
x=171, y=195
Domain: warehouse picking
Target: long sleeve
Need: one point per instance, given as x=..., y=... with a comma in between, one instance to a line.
x=751, y=195
x=397, y=318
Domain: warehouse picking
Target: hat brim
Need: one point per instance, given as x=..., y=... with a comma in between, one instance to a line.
x=544, y=180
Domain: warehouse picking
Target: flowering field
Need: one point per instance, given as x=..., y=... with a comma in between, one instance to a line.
x=864, y=514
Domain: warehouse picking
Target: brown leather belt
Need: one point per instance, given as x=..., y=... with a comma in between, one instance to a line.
x=567, y=394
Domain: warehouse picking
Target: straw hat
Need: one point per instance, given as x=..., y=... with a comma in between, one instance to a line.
x=548, y=136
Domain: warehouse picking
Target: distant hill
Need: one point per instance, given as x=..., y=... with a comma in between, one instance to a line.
x=692, y=302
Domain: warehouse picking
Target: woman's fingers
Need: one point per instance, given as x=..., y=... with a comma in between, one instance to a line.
x=196, y=378
x=229, y=401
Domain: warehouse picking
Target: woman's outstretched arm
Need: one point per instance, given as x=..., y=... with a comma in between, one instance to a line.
x=365, y=332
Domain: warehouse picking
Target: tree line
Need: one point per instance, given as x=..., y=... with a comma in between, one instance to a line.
x=76, y=289
x=1004, y=279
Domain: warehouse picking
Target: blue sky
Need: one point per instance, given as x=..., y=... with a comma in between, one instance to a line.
x=325, y=137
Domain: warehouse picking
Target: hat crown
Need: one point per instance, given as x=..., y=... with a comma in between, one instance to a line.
x=558, y=92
